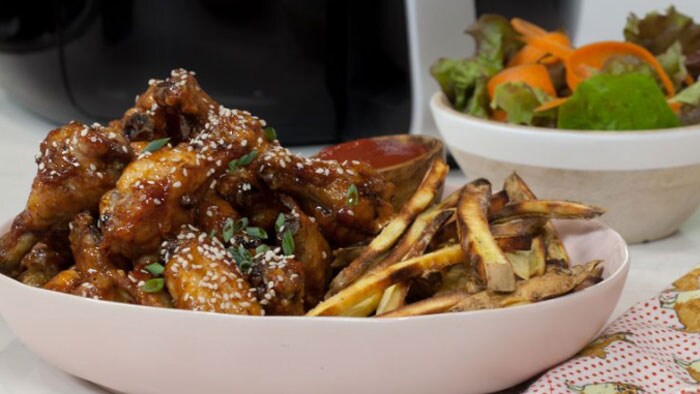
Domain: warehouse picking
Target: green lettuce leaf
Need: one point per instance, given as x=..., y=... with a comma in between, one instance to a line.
x=658, y=32
x=625, y=64
x=463, y=81
x=630, y=101
x=690, y=98
x=460, y=81
x=519, y=101
x=478, y=104
x=496, y=40
x=673, y=62
x=689, y=95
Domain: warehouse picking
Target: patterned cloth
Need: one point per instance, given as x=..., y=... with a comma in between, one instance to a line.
x=652, y=348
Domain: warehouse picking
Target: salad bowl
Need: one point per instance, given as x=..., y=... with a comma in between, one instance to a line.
x=648, y=180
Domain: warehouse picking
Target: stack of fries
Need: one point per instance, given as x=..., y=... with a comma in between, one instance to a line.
x=473, y=250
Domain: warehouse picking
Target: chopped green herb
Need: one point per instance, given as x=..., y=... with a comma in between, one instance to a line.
x=232, y=166
x=288, y=243
x=155, y=268
x=153, y=285
x=262, y=249
x=247, y=158
x=240, y=225
x=279, y=222
x=156, y=144
x=270, y=133
x=242, y=257
x=212, y=234
x=242, y=161
x=256, y=232
x=352, y=197
x=228, y=230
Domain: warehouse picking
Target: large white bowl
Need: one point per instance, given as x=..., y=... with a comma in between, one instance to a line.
x=135, y=349
x=649, y=181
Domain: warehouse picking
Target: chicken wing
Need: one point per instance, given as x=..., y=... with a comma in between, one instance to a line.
x=201, y=276
x=325, y=190
x=278, y=283
x=175, y=108
x=77, y=164
x=157, y=193
x=311, y=250
x=46, y=259
x=247, y=193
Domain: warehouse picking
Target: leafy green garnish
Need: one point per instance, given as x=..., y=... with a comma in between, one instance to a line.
x=228, y=230
x=519, y=101
x=242, y=161
x=279, y=222
x=256, y=232
x=658, y=32
x=155, y=268
x=262, y=249
x=288, y=243
x=352, y=196
x=270, y=133
x=673, y=62
x=617, y=102
x=156, y=144
x=463, y=81
x=153, y=285
x=496, y=40
x=625, y=64
x=242, y=257
x=689, y=95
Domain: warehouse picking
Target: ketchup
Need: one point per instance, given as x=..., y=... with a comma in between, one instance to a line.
x=379, y=153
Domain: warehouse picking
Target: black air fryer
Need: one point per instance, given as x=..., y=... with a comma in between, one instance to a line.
x=320, y=71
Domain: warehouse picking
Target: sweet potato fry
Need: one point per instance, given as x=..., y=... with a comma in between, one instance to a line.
x=548, y=209
x=423, y=197
x=437, y=304
x=549, y=285
x=412, y=244
x=512, y=244
x=538, y=257
x=518, y=190
x=497, y=202
x=342, y=257
x=394, y=297
x=374, y=284
x=476, y=239
x=518, y=227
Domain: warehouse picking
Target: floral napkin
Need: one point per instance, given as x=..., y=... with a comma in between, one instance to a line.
x=653, y=348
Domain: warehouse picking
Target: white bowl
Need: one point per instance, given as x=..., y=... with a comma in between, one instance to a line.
x=135, y=349
x=649, y=181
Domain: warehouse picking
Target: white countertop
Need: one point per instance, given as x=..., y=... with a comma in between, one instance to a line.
x=654, y=265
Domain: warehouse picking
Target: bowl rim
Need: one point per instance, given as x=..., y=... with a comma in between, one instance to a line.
x=563, y=148
x=155, y=311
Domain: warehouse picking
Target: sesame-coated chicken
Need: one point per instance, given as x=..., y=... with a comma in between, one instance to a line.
x=77, y=164
x=174, y=108
x=158, y=191
x=201, y=276
x=185, y=203
x=322, y=188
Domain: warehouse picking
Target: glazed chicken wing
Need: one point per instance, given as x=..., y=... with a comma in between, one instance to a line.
x=77, y=164
x=278, y=283
x=201, y=276
x=157, y=192
x=46, y=259
x=325, y=191
x=175, y=108
x=311, y=250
